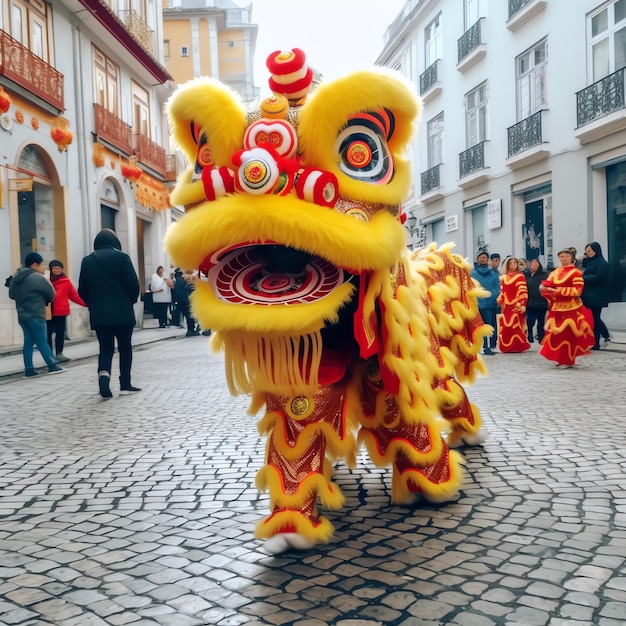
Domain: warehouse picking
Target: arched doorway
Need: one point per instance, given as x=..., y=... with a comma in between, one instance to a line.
x=40, y=210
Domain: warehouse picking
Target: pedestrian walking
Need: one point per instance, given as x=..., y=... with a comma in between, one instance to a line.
x=183, y=288
x=109, y=285
x=596, y=290
x=489, y=280
x=512, y=300
x=64, y=292
x=569, y=331
x=32, y=294
x=537, y=305
x=161, y=288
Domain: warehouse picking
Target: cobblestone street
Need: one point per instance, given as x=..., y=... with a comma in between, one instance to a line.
x=141, y=510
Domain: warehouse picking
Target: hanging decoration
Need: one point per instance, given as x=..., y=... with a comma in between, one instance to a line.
x=98, y=155
x=131, y=171
x=152, y=194
x=61, y=134
x=5, y=101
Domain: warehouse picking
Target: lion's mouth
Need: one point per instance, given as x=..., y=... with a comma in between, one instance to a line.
x=269, y=274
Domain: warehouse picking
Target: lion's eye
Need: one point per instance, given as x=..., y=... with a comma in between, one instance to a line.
x=362, y=147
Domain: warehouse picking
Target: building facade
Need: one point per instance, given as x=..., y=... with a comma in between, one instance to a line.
x=210, y=38
x=521, y=147
x=83, y=135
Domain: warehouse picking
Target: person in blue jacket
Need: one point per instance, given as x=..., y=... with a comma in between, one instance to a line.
x=489, y=280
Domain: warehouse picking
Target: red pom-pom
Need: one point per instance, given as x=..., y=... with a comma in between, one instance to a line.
x=280, y=62
x=217, y=181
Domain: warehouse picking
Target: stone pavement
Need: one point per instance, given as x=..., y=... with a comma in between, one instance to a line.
x=141, y=510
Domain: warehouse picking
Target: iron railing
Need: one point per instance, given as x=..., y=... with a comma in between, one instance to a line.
x=429, y=77
x=524, y=134
x=516, y=5
x=170, y=168
x=601, y=98
x=138, y=28
x=27, y=70
x=472, y=160
x=150, y=154
x=470, y=40
x=113, y=130
x=430, y=179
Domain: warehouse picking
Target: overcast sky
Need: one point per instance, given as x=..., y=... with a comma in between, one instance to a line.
x=338, y=36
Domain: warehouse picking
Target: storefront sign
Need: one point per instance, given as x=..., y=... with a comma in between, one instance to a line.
x=21, y=184
x=494, y=214
x=452, y=223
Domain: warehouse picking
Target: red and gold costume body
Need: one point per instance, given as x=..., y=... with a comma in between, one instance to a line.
x=512, y=331
x=294, y=221
x=569, y=325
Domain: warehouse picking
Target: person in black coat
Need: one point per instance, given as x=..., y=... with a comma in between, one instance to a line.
x=596, y=290
x=537, y=305
x=109, y=285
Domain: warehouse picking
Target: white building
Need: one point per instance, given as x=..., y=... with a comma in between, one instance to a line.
x=81, y=104
x=522, y=143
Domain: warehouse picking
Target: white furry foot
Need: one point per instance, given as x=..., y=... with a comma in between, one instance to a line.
x=459, y=438
x=288, y=541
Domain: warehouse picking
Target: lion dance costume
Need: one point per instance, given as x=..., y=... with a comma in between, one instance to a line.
x=293, y=219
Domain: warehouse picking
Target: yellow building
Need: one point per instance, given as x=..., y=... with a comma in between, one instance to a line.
x=215, y=40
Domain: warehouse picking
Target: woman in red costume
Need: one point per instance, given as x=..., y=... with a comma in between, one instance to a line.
x=569, y=326
x=512, y=300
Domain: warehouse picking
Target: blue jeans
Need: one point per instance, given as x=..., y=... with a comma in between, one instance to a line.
x=35, y=333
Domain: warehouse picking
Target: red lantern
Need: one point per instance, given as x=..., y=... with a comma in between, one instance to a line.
x=61, y=135
x=5, y=101
x=131, y=171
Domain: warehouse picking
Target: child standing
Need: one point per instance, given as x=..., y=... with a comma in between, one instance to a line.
x=65, y=292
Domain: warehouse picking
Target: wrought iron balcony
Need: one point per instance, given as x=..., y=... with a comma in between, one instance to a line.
x=516, y=5
x=472, y=160
x=113, y=130
x=524, y=134
x=27, y=70
x=170, y=168
x=430, y=179
x=429, y=77
x=138, y=28
x=603, y=97
x=150, y=154
x=470, y=40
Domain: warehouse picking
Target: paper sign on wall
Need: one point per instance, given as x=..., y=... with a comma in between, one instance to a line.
x=494, y=214
x=452, y=223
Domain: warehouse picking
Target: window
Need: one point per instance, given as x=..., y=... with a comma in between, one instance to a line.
x=474, y=10
x=433, y=37
x=29, y=26
x=530, y=69
x=106, y=82
x=434, y=131
x=184, y=51
x=141, y=111
x=166, y=48
x=476, y=115
x=607, y=36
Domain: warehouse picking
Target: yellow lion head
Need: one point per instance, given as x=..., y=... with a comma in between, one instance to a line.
x=287, y=203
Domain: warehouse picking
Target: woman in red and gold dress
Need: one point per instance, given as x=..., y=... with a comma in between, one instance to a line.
x=569, y=326
x=512, y=336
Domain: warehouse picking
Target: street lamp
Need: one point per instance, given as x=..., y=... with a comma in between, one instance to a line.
x=417, y=232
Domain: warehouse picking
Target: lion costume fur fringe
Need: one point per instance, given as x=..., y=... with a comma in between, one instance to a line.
x=293, y=220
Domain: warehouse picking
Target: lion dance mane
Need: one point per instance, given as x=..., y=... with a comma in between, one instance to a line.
x=294, y=221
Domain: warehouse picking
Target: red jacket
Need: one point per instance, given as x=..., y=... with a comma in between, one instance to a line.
x=65, y=292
